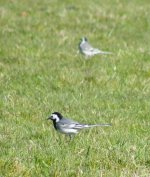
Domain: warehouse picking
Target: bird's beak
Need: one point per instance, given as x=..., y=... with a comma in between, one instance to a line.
x=49, y=118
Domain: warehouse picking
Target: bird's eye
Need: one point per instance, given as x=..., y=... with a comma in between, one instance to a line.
x=52, y=117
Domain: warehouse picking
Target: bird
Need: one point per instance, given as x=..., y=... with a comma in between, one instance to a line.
x=88, y=50
x=68, y=126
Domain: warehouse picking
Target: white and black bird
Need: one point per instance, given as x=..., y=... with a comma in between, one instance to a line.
x=88, y=50
x=68, y=126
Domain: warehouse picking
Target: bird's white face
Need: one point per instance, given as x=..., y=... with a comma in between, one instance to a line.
x=82, y=42
x=55, y=117
x=83, y=39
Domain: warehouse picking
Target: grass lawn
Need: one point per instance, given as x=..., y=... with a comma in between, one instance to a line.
x=41, y=72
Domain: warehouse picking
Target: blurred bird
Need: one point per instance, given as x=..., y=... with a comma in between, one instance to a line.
x=87, y=49
x=68, y=126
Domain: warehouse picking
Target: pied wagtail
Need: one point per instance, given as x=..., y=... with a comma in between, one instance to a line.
x=68, y=126
x=87, y=49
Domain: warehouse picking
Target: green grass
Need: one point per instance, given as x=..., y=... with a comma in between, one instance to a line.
x=41, y=72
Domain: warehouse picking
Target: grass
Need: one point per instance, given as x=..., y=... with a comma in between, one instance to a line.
x=41, y=72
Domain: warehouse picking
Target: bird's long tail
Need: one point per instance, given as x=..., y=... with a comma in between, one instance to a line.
x=97, y=125
x=103, y=52
x=97, y=51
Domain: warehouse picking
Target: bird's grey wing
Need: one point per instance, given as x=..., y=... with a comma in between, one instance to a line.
x=68, y=123
x=86, y=46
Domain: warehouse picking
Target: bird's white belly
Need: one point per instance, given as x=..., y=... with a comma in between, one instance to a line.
x=68, y=131
x=88, y=53
x=91, y=52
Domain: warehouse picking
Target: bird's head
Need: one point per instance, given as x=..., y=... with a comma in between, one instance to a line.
x=55, y=116
x=84, y=39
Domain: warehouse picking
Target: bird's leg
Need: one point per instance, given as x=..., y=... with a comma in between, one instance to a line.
x=68, y=138
x=71, y=136
x=87, y=57
x=88, y=151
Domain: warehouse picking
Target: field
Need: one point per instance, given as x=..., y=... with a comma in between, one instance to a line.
x=41, y=71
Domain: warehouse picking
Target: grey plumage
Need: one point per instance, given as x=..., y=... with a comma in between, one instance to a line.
x=88, y=50
x=68, y=126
